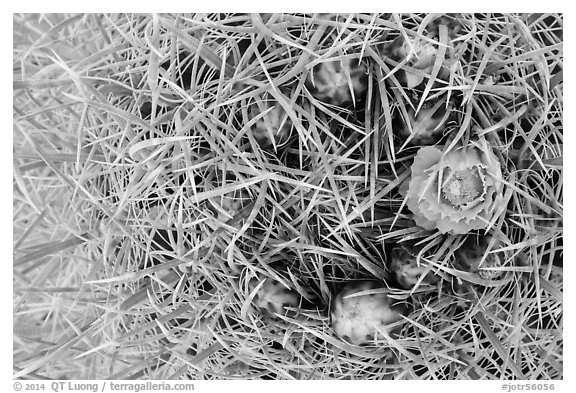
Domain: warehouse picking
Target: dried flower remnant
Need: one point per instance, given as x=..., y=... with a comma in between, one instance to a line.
x=274, y=127
x=231, y=203
x=418, y=54
x=453, y=24
x=218, y=213
x=338, y=81
x=455, y=192
x=225, y=207
x=424, y=128
x=473, y=258
x=236, y=368
x=405, y=267
x=487, y=269
x=273, y=297
x=361, y=318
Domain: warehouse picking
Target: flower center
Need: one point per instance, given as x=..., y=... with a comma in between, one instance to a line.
x=463, y=187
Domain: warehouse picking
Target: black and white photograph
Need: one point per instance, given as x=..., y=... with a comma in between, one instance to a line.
x=287, y=196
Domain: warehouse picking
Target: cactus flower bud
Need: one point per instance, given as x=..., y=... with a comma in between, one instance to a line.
x=361, y=318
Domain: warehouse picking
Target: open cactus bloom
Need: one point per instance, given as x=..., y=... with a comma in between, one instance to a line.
x=455, y=192
x=338, y=81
